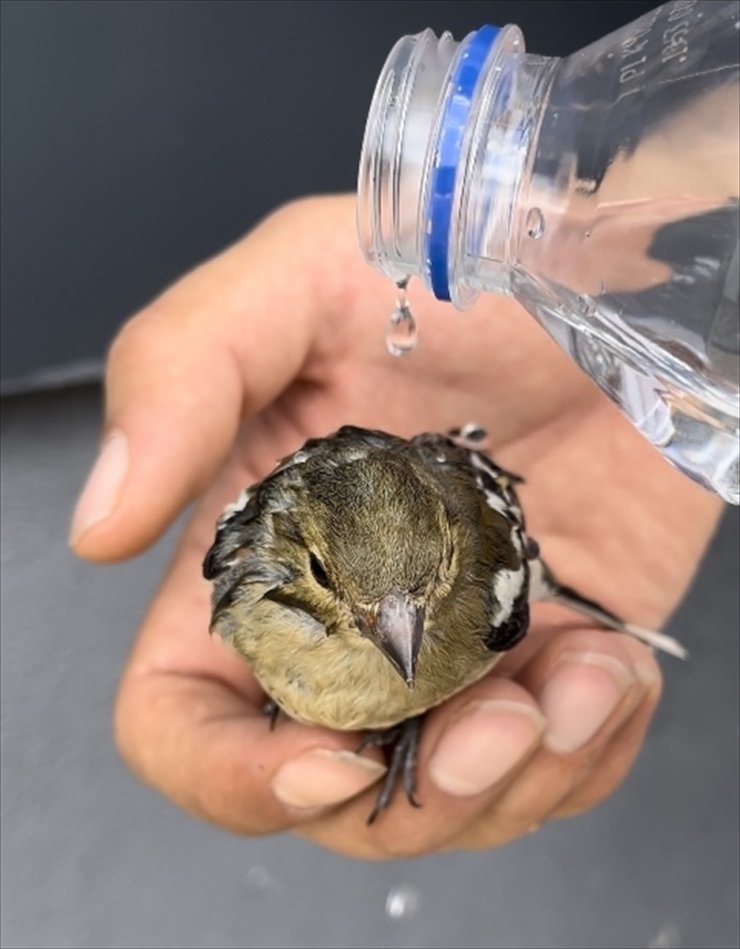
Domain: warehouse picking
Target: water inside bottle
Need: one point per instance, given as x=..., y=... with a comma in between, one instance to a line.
x=674, y=372
x=629, y=248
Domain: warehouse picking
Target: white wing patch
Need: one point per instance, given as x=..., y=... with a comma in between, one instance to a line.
x=494, y=500
x=478, y=463
x=538, y=586
x=501, y=500
x=238, y=505
x=507, y=586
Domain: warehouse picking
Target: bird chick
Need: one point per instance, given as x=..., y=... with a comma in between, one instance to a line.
x=369, y=578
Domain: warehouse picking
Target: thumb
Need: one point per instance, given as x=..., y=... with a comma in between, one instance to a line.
x=224, y=341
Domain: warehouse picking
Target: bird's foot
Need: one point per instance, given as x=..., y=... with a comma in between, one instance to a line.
x=272, y=711
x=404, y=739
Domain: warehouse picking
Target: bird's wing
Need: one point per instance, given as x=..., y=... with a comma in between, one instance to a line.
x=241, y=524
x=509, y=615
x=456, y=450
x=240, y=520
x=497, y=484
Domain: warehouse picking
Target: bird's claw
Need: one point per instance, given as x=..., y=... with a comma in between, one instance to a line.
x=404, y=738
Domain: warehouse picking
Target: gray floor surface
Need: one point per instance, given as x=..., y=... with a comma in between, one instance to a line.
x=91, y=858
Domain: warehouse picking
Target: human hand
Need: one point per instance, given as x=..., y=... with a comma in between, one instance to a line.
x=281, y=338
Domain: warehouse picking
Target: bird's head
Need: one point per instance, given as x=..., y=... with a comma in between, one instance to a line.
x=370, y=544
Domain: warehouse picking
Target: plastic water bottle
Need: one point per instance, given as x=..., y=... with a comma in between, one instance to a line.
x=599, y=190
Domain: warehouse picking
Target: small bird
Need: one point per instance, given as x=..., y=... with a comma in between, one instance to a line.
x=369, y=578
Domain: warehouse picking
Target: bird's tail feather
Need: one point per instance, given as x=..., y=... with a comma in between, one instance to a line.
x=547, y=587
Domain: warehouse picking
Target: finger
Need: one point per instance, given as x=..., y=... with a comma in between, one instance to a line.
x=227, y=338
x=483, y=747
x=588, y=685
x=613, y=766
x=583, y=679
x=470, y=747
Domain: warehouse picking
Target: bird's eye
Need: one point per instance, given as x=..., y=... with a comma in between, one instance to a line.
x=317, y=569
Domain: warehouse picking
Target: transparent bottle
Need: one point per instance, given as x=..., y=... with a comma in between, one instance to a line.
x=599, y=190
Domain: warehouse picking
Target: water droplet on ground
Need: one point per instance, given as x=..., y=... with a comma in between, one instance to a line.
x=667, y=937
x=403, y=902
x=259, y=880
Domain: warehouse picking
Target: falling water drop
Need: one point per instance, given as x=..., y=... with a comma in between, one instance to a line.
x=403, y=902
x=535, y=223
x=401, y=335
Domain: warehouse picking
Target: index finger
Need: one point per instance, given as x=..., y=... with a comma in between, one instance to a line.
x=223, y=341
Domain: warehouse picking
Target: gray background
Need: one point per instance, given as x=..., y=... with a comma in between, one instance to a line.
x=137, y=139
x=90, y=858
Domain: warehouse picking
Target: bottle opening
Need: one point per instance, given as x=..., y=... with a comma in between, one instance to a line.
x=396, y=151
x=417, y=146
x=455, y=112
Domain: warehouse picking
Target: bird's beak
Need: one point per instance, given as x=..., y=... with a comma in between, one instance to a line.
x=397, y=631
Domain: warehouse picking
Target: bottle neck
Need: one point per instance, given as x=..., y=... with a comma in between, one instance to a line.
x=448, y=143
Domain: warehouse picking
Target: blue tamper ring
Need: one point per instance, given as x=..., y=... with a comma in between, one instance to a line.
x=451, y=129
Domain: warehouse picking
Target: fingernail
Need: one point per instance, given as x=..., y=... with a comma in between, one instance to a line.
x=648, y=675
x=103, y=487
x=580, y=695
x=482, y=745
x=321, y=777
